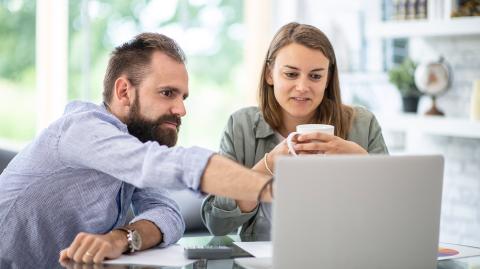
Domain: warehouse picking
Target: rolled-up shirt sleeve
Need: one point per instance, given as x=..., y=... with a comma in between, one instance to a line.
x=376, y=143
x=155, y=206
x=222, y=215
x=108, y=148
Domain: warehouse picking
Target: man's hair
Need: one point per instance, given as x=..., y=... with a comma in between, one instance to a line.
x=331, y=110
x=133, y=59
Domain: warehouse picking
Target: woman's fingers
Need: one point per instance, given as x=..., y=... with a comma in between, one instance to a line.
x=313, y=147
x=315, y=136
x=333, y=146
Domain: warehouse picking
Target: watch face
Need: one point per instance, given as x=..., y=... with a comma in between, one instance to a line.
x=136, y=240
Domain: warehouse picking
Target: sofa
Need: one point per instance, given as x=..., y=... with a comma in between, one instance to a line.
x=5, y=157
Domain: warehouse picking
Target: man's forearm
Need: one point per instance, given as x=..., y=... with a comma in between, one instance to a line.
x=149, y=232
x=249, y=206
x=226, y=178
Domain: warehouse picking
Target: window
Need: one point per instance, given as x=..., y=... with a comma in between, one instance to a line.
x=210, y=32
x=17, y=71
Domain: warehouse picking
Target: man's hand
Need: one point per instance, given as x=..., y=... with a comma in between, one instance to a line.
x=88, y=248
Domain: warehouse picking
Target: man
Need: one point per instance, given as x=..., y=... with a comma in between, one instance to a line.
x=69, y=190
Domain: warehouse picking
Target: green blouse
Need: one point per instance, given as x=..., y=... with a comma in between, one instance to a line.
x=246, y=139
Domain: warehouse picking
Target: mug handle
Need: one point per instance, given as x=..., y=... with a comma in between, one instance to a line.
x=290, y=146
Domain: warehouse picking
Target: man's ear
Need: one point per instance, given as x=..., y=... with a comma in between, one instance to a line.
x=123, y=91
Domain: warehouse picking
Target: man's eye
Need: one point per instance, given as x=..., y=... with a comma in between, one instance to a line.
x=316, y=76
x=291, y=74
x=167, y=93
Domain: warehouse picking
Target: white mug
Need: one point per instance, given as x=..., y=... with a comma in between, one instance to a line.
x=308, y=128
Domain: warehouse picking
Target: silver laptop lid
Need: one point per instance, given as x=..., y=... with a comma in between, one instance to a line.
x=357, y=212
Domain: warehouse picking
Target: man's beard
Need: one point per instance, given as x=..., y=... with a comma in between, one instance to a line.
x=151, y=130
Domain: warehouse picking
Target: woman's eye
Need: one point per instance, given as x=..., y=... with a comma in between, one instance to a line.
x=291, y=74
x=316, y=76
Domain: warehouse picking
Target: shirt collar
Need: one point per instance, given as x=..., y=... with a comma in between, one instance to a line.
x=262, y=129
x=105, y=109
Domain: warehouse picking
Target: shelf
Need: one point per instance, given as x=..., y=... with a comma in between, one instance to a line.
x=426, y=28
x=456, y=127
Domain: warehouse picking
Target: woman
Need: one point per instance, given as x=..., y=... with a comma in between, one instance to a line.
x=299, y=84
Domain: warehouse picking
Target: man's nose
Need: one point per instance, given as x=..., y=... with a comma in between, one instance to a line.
x=179, y=108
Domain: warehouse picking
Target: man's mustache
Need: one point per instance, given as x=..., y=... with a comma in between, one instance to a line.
x=169, y=118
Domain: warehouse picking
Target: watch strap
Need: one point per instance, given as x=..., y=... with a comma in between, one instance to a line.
x=130, y=248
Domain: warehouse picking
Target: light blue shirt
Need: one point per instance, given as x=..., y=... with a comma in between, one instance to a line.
x=81, y=174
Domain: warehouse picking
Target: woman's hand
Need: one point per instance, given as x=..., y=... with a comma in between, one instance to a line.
x=312, y=143
x=279, y=150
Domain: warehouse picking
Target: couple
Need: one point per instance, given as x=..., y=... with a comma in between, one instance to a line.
x=65, y=196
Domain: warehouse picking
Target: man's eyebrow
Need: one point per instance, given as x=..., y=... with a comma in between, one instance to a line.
x=296, y=68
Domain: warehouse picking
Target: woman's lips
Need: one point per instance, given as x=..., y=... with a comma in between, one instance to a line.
x=300, y=99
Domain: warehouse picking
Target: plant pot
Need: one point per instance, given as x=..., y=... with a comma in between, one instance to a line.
x=410, y=103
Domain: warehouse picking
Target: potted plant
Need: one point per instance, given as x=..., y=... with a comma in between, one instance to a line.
x=402, y=76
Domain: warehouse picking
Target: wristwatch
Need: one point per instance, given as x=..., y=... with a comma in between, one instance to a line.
x=133, y=238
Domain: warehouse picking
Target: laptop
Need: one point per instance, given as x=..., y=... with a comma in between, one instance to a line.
x=357, y=212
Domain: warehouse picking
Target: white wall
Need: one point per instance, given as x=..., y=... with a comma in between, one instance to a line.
x=461, y=201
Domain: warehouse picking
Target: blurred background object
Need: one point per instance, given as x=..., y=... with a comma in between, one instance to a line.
x=402, y=76
x=475, y=101
x=433, y=79
x=466, y=8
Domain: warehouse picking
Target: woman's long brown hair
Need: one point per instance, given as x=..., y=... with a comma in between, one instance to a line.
x=331, y=110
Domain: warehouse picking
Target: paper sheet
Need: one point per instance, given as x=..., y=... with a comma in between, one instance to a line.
x=263, y=249
x=259, y=249
x=174, y=255
x=452, y=251
x=254, y=263
x=170, y=256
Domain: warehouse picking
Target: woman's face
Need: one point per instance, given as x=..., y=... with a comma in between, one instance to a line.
x=299, y=78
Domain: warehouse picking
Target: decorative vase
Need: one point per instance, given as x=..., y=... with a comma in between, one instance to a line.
x=410, y=104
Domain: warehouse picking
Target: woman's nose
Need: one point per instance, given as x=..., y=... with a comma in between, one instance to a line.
x=302, y=85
